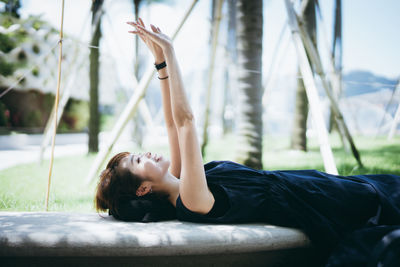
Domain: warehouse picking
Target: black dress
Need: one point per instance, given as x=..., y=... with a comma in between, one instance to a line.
x=328, y=208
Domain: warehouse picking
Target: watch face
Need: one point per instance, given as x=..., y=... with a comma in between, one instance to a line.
x=161, y=65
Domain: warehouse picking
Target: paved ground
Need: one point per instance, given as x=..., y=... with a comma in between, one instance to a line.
x=23, y=148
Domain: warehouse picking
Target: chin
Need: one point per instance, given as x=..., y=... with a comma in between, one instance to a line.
x=165, y=163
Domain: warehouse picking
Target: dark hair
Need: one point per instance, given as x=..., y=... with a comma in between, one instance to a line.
x=116, y=192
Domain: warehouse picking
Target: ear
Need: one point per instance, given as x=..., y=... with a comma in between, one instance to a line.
x=143, y=189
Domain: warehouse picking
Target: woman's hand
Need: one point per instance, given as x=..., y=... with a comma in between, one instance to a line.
x=155, y=40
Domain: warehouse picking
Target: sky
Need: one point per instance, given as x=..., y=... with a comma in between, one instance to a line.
x=371, y=33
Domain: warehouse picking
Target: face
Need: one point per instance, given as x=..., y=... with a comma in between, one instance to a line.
x=151, y=167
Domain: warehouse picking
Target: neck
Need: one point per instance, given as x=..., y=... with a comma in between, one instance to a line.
x=169, y=186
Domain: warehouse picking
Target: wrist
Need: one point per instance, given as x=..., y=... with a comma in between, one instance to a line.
x=168, y=50
x=162, y=72
x=160, y=66
x=158, y=60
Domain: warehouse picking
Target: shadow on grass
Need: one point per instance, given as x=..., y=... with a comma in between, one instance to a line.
x=350, y=169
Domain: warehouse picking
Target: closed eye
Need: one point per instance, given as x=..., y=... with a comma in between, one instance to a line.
x=133, y=158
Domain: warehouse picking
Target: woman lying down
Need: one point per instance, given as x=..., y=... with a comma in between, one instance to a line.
x=351, y=220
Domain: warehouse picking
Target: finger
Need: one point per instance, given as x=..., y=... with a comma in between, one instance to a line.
x=131, y=23
x=141, y=22
x=158, y=29
x=153, y=28
x=149, y=34
x=139, y=28
x=139, y=34
x=142, y=29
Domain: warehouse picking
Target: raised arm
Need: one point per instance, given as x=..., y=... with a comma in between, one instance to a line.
x=158, y=54
x=175, y=168
x=193, y=188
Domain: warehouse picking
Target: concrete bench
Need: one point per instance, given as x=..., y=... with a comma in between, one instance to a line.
x=87, y=239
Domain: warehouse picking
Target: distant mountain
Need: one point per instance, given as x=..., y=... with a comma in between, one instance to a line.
x=362, y=82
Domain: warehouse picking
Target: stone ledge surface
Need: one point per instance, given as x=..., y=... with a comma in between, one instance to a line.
x=88, y=234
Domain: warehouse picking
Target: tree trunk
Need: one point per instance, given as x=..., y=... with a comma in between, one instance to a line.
x=136, y=4
x=299, y=138
x=249, y=49
x=337, y=61
x=230, y=66
x=94, y=120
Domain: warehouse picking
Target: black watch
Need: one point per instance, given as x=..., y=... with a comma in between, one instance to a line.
x=161, y=65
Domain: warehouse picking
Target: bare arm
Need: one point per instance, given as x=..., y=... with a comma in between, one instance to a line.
x=175, y=168
x=193, y=188
x=158, y=54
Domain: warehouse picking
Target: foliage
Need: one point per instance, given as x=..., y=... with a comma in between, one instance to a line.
x=75, y=116
x=4, y=119
x=23, y=187
x=6, y=68
x=11, y=7
x=35, y=114
x=6, y=43
x=13, y=40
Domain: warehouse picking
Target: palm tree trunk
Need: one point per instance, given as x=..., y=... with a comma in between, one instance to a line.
x=94, y=120
x=136, y=4
x=299, y=138
x=249, y=48
x=230, y=77
x=337, y=61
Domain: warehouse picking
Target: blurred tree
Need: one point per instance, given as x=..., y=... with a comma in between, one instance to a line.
x=138, y=130
x=249, y=53
x=230, y=67
x=11, y=7
x=299, y=128
x=9, y=16
x=216, y=11
x=137, y=120
x=94, y=119
x=337, y=58
x=136, y=6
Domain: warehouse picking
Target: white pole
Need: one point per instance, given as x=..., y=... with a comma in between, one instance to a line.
x=395, y=122
x=316, y=60
x=312, y=93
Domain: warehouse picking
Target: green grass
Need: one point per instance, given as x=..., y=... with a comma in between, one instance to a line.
x=23, y=188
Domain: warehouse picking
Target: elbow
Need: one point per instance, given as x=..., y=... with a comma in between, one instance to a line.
x=170, y=124
x=184, y=119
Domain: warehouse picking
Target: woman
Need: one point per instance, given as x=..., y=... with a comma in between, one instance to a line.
x=328, y=208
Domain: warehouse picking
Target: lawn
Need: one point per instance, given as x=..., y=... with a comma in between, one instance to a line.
x=23, y=188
